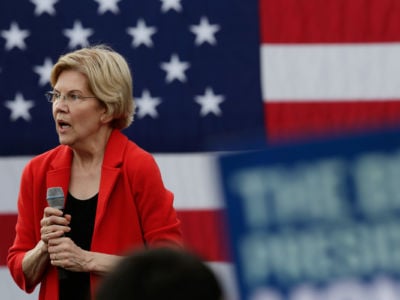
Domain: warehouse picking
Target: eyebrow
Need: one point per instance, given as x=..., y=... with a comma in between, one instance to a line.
x=71, y=91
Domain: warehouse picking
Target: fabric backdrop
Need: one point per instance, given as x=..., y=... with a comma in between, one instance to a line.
x=209, y=76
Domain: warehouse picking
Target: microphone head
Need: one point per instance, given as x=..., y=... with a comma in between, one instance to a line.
x=55, y=197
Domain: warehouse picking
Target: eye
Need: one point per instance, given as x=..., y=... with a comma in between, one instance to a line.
x=74, y=97
x=56, y=96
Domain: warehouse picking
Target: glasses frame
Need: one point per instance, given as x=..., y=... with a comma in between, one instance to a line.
x=51, y=94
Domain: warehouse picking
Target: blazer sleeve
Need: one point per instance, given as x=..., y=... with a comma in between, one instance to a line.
x=158, y=218
x=26, y=238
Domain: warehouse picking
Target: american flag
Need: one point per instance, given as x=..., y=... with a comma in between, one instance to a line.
x=209, y=75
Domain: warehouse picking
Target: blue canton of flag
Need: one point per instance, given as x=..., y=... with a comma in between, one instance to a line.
x=195, y=68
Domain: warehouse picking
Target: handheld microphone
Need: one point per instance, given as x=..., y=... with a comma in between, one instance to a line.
x=55, y=198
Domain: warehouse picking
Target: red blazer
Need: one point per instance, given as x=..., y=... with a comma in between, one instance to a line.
x=134, y=208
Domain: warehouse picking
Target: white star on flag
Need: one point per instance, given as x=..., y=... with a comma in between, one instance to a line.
x=147, y=105
x=108, y=5
x=19, y=107
x=205, y=32
x=141, y=34
x=44, y=6
x=78, y=36
x=210, y=102
x=44, y=71
x=171, y=4
x=15, y=37
x=175, y=69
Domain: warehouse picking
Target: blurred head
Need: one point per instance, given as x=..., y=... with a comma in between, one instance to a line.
x=109, y=80
x=160, y=274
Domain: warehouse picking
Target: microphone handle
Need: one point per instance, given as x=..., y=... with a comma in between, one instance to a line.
x=62, y=273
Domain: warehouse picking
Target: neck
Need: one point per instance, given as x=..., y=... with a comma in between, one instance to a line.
x=90, y=156
x=87, y=161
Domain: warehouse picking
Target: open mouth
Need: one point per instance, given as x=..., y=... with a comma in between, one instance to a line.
x=63, y=124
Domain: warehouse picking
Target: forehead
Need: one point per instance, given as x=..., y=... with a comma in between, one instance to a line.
x=69, y=80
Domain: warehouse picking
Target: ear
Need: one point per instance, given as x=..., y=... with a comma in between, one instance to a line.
x=106, y=117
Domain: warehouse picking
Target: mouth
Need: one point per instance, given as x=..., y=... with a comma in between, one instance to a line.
x=63, y=125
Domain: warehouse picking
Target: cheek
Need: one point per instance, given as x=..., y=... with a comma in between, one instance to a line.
x=53, y=111
x=88, y=118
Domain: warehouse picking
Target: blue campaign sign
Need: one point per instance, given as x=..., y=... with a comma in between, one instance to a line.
x=318, y=220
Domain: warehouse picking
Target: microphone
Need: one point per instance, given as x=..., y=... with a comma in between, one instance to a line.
x=55, y=198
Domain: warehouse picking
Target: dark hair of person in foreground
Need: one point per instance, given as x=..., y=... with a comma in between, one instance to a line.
x=160, y=274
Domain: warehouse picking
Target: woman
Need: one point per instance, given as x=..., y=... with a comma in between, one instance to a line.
x=116, y=200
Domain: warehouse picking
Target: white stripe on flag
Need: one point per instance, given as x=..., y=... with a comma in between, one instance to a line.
x=10, y=176
x=324, y=72
x=193, y=178
x=225, y=272
x=10, y=291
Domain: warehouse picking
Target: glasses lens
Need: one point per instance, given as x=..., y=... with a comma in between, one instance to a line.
x=49, y=96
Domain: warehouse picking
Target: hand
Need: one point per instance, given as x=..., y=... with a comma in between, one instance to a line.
x=53, y=224
x=66, y=254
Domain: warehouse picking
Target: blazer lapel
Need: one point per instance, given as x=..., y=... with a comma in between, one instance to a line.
x=111, y=169
x=60, y=171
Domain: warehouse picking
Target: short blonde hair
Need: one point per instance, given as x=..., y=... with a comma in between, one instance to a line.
x=109, y=79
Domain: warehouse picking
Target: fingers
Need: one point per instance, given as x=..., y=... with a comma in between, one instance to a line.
x=44, y=222
x=47, y=233
x=54, y=257
x=63, y=253
x=51, y=211
x=53, y=227
x=57, y=260
x=48, y=221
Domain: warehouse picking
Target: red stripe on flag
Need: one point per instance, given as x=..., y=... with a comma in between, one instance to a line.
x=288, y=120
x=7, y=234
x=329, y=21
x=204, y=233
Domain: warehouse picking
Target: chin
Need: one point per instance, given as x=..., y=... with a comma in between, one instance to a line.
x=63, y=141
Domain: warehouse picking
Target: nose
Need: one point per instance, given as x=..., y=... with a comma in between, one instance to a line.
x=61, y=104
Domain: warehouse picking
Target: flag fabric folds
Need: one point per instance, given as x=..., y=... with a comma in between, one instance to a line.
x=195, y=68
x=329, y=67
x=208, y=76
x=196, y=78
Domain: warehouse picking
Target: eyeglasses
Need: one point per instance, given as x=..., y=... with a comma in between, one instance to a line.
x=53, y=97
